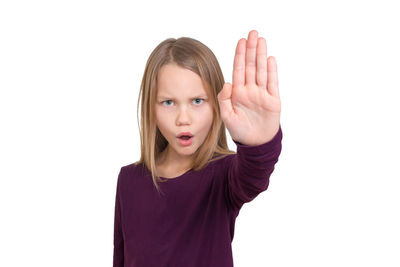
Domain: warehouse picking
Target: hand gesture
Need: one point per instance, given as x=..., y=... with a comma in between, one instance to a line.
x=251, y=107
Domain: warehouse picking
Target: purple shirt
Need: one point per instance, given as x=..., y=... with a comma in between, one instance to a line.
x=192, y=224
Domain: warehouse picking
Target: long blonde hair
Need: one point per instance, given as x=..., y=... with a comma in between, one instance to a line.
x=193, y=55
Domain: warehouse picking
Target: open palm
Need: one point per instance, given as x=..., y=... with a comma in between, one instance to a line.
x=251, y=107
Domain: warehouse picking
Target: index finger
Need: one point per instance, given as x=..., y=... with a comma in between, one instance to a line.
x=238, y=75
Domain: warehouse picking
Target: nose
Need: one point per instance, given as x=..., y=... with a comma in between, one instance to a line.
x=183, y=116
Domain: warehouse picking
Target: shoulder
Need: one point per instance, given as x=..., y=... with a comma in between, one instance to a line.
x=131, y=167
x=130, y=171
x=220, y=162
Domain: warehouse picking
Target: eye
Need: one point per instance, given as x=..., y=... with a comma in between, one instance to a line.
x=197, y=103
x=199, y=99
x=165, y=101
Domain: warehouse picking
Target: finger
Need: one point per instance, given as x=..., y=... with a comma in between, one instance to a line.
x=238, y=77
x=225, y=101
x=273, y=84
x=251, y=57
x=262, y=63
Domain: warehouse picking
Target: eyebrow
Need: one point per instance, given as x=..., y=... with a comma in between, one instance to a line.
x=197, y=96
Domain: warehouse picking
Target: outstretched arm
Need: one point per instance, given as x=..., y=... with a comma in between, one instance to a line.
x=250, y=109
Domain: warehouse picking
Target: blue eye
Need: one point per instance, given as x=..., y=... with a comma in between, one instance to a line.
x=166, y=101
x=197, y=104
x=199, y=99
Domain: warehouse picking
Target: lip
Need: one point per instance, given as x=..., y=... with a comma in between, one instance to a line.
x=183, y=142
x=185, y=133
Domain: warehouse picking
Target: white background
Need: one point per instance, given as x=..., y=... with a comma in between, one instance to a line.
x=70, y=73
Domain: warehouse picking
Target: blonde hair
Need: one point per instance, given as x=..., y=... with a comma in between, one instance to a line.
x=193, y=55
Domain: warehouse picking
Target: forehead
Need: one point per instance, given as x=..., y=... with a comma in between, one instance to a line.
x=175, y=81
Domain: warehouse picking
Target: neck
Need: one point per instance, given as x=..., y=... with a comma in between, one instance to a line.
x=173, y=161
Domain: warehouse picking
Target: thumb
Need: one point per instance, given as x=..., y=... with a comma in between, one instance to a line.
x=224, y=100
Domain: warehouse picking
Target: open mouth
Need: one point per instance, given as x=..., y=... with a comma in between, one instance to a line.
x=185, y=137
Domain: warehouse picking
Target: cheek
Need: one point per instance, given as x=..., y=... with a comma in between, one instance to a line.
x=162, y=127
x=161, y=120
x=207, y=114
x=205, y=117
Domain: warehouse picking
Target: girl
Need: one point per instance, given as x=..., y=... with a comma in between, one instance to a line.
x=178, y=204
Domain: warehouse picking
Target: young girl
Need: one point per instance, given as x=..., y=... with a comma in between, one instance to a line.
x=178, y=204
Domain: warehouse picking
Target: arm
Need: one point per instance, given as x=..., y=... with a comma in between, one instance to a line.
x=250, y=169
x=250, y=108
x=118, y=256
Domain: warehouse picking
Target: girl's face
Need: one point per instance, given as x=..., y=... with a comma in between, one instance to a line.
x=182, y=105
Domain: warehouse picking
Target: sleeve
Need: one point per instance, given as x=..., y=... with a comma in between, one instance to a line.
x=249, y=170
x=118, y=257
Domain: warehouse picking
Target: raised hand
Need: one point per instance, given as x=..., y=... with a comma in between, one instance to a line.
x=251, y=107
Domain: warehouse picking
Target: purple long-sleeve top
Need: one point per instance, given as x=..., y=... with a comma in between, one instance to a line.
x=192, y=224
